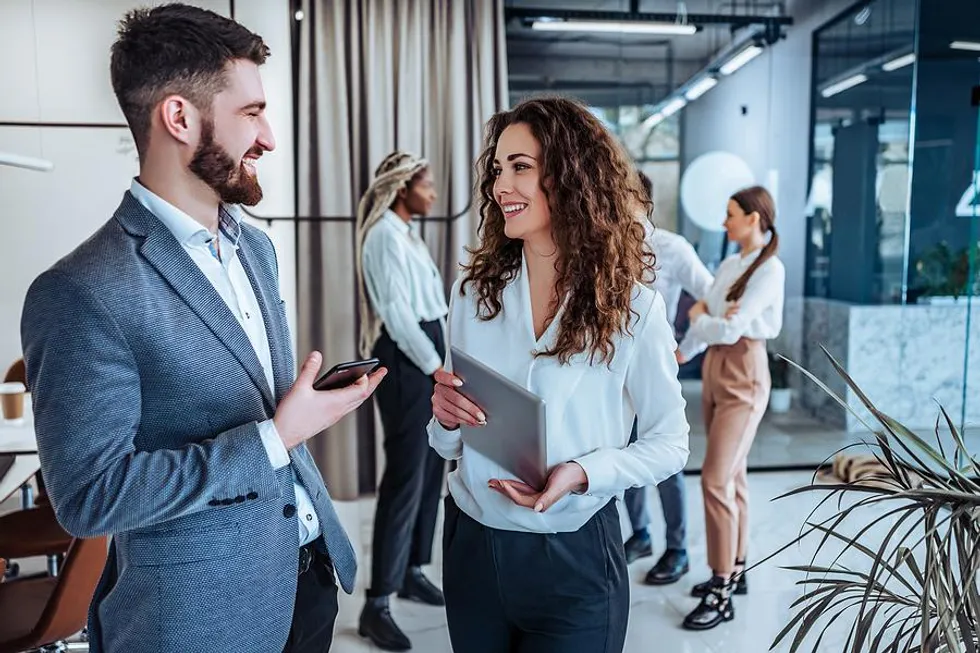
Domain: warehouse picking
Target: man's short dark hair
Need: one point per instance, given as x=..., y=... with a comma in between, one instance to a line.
x=175, y=49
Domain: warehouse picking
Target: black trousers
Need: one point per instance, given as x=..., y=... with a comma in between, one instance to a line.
x=408, y=497
x=517, y=592
x=315, y=611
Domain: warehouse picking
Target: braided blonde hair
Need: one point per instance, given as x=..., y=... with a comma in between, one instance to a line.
x=393, y=173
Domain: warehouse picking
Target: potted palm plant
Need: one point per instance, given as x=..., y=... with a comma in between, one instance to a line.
x=780, y=396
x=917, y=590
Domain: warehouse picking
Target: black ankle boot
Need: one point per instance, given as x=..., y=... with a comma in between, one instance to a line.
x=715, y=607
x=739, y=583
x=377, y=625
x=740, y=578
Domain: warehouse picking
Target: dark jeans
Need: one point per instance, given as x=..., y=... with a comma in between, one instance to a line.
x=671, y=499
x=408, y=497
x=518, y=592
x=316, y=608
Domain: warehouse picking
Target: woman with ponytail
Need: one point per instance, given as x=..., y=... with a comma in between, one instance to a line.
x=742, y=310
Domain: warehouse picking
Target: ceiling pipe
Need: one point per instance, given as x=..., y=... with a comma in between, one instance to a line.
x=735, y=20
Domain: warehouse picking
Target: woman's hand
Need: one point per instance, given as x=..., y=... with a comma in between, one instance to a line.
x=565, y=478
x=731, y=311
x=451, y=408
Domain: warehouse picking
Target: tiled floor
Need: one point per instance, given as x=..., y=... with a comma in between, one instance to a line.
x=783, y=440
x=656, y=612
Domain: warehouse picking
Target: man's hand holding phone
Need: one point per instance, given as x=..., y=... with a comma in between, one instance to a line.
x=304, y=412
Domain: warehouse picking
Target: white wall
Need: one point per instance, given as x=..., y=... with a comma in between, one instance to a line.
x=272, y=20
x=772, y=136
x=58, y=71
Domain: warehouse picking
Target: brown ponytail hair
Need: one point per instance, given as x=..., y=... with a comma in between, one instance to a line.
x=756, y=199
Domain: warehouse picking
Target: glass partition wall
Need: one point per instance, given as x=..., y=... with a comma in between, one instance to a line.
x=892, y=245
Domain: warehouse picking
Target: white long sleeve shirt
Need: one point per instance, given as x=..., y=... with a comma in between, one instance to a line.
x=760, y=313
x=405, y=287
x=589, y=409
x=678, y=267
x=229, y=279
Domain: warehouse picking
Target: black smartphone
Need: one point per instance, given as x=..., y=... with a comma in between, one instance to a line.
x=344, y=374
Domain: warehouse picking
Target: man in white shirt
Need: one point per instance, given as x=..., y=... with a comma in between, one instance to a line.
x=678, y=268
x=165, y=406
x=403, y=307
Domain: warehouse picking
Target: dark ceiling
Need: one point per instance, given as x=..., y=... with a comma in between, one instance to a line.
x=611, y=69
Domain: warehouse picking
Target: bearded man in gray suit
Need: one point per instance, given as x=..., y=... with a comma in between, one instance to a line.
x=159, y=357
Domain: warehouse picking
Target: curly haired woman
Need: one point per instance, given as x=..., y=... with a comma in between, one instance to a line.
x=552, y=299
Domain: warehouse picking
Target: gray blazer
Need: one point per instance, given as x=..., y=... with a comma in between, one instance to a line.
x=147, y=394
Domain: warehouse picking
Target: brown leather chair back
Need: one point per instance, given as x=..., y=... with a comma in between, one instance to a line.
x=67, y=610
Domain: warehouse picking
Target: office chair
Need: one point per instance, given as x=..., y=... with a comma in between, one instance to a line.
x=40, y=613
x=33, y=531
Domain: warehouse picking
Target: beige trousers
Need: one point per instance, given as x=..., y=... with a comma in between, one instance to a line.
x=736, y=386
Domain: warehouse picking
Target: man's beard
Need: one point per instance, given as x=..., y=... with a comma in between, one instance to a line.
x=215, y=167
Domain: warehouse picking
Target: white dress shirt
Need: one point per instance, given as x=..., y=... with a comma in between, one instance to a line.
x=678, y=267
x=229, y=279
x=589, y=409
x=405, y=287
x=760, y=312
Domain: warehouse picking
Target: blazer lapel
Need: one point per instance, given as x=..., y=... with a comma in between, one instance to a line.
x=165, y=254
x=263, y=285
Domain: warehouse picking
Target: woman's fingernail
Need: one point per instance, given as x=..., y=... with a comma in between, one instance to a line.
x=482, y=418
x=457, y=383
x=538, y=507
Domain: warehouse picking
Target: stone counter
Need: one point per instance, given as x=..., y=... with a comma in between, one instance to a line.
x=907, y=359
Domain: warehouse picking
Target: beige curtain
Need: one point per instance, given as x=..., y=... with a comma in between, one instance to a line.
x=376, y=75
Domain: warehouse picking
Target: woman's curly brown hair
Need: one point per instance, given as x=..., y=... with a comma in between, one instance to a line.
x=597, y=210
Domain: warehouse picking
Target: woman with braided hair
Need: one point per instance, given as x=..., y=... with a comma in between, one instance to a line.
x=742, y=309
x=402, y=311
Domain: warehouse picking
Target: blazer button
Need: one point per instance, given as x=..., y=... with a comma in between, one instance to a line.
x=214, y=502
x=239, y=499
x=252, y=495
x=227, y=502
x=289, y=511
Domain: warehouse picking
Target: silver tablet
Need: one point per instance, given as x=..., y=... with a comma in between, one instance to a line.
x=514, y=436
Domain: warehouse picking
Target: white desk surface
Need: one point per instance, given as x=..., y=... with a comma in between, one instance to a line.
x=18, y=437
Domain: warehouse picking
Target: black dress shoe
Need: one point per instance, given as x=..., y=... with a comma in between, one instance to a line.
x=715, y=607
x=672, y=565
x=740, y=581
x=377, y=625
x=638, y=546
x=419, y=588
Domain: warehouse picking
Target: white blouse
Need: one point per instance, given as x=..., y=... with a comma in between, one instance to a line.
x=589, y=408
x=760, y=313
x=405, y=287
x=678, y=267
